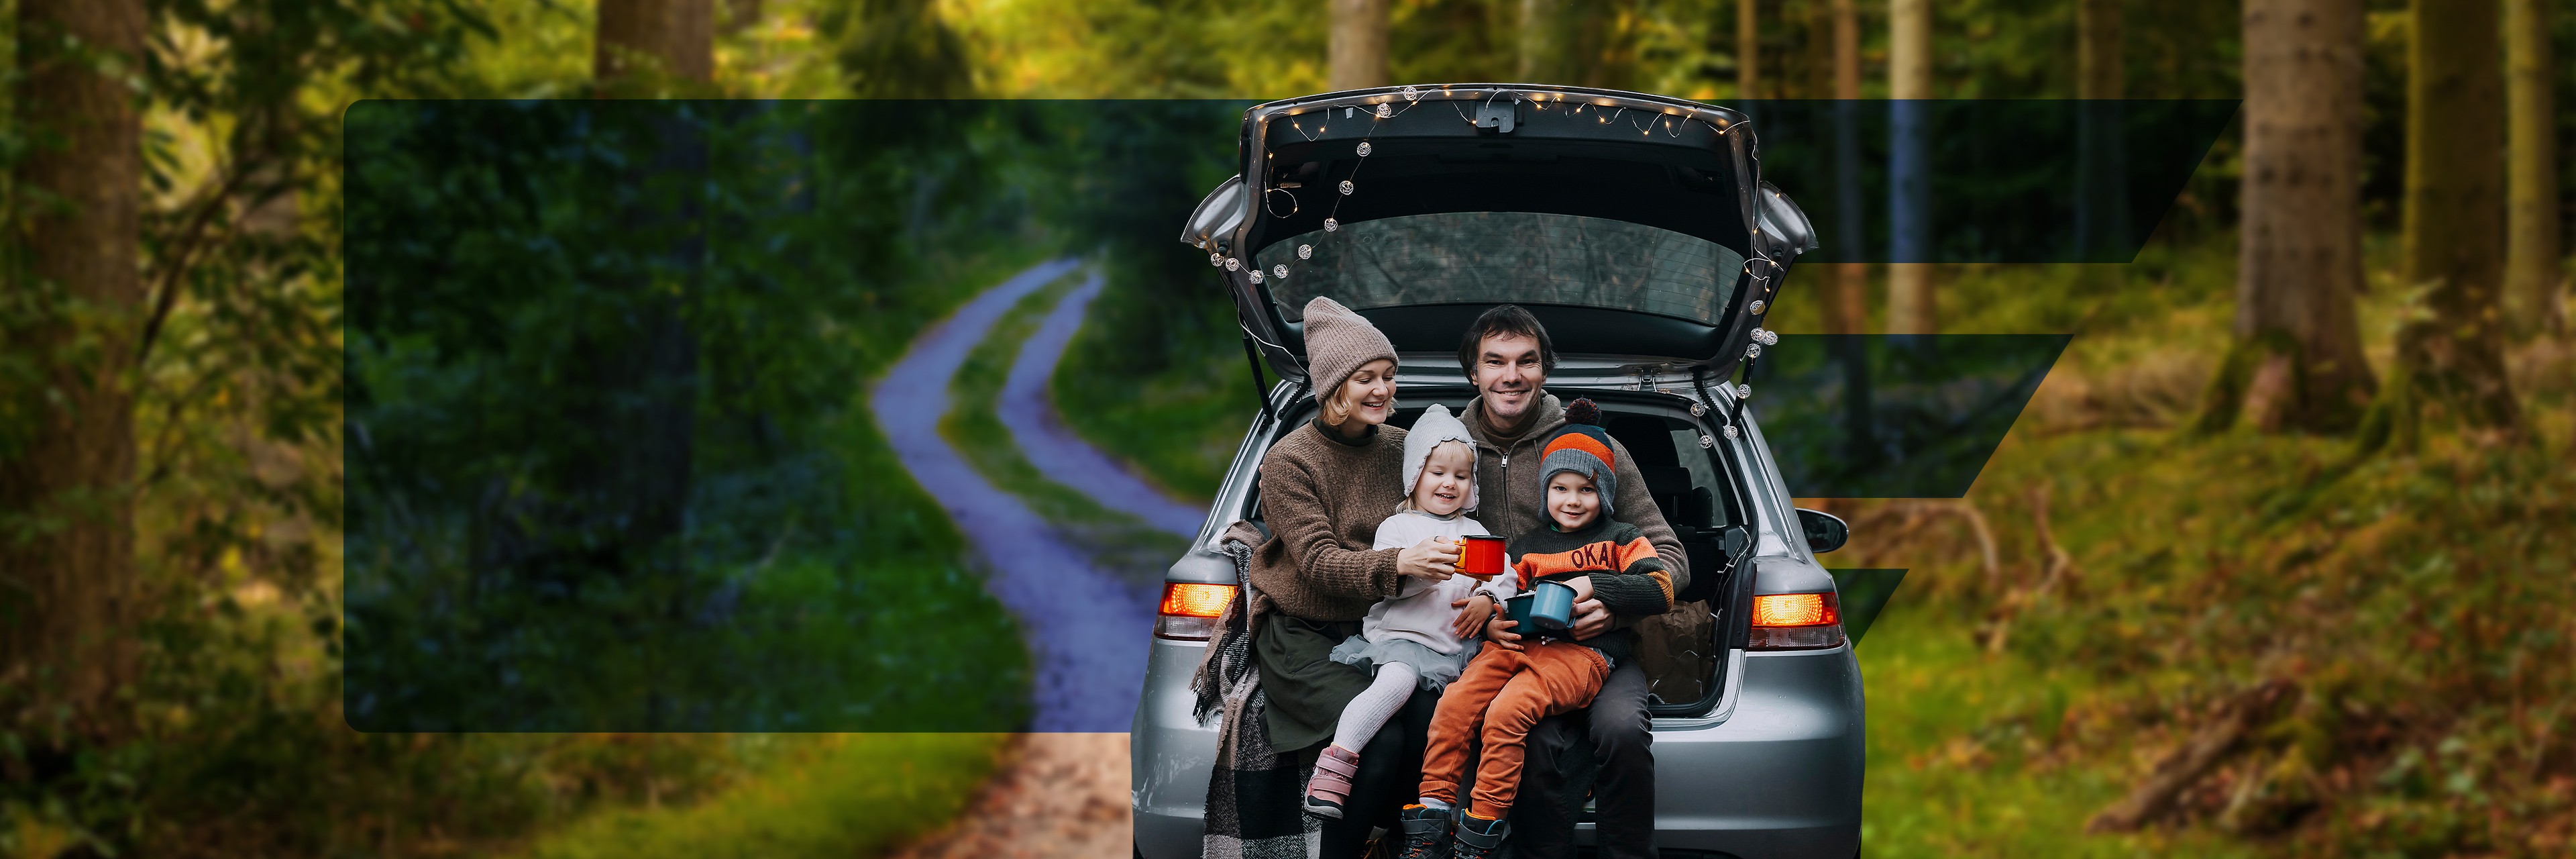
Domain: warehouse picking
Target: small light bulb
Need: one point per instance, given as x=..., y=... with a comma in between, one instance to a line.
x=1757, y=306
x=1744, y=391
x=1305, y=251
x=1233, y=264
x=1279, y=271
x=1411, y=94
x=1705, y=441
x=1347, y=187
x=1750, y=352
x=1216, y=259
x=1256, y=275
x=1385, y=110
x=1364, y=149
x=1731, y=432
x=1331, y=225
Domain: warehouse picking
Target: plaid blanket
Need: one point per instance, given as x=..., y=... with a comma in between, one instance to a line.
x=1254, y=793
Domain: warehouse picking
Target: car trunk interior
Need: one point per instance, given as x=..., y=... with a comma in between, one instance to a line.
x=1680, y=650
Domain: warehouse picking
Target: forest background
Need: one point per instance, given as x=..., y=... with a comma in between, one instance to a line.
x=2274, y=564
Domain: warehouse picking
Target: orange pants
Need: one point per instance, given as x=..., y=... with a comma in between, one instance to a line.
x=1502, y=694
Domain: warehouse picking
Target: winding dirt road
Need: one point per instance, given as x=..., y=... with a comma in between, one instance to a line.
x=1059, y=454
x=1063, y=792
x=1086, y=627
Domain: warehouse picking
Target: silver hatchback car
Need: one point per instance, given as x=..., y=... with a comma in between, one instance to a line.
x=1639, y=232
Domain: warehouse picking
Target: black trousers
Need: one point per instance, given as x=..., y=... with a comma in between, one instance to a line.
x=1390, y=776
x=1607, y=747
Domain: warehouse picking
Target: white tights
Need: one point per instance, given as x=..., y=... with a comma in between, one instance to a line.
x=1371, y=710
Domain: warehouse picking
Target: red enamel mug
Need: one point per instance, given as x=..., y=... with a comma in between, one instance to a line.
x=1481, y=556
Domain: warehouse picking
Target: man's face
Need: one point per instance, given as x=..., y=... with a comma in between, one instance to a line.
x=1509, y=376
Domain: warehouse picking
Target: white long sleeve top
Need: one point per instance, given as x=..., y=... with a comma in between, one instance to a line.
x=1420, y=610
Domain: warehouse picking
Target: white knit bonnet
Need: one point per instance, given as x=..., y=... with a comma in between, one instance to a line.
x=1435, y=426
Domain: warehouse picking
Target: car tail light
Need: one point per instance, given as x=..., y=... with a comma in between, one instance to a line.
x=1190, y=611
x=1795, y=622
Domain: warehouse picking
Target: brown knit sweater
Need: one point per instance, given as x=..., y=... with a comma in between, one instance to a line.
x=1323, y=498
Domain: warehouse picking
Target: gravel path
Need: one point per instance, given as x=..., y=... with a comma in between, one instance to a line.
x=1029, y=412
x=1058, y=796
x=1087, y=628
x=1063, y=791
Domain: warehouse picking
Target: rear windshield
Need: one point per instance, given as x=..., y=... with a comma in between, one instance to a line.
x=1496, y=257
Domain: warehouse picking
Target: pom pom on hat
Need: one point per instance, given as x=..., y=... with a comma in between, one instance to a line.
x=1583, y=411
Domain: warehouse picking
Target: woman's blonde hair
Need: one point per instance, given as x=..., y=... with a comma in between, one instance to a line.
x=1336, y=407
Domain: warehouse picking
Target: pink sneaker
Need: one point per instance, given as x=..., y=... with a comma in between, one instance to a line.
x=1331, y=784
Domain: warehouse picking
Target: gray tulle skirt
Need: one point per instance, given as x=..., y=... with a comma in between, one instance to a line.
x=1436, y=668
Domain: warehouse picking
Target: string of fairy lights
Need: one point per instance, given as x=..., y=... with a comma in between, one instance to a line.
x=1760, y=268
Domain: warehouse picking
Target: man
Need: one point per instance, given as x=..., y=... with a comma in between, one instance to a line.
x=1506, y=354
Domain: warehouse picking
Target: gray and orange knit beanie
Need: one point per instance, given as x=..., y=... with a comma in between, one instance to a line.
x=1584, y=448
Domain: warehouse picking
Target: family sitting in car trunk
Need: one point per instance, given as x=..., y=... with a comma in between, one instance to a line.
x=1386, y=674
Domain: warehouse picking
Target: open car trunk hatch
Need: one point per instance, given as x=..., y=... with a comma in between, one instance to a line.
x=1633, y=226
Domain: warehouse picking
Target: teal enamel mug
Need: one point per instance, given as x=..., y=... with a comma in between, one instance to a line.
x=1551, y=610
x=1517, y=610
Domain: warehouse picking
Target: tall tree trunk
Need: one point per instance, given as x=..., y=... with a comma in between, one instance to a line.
x=1846, y=310
x=67, y=449
x=1818, y=23
x=2098, y=69
x=675, y=38
x=1909, y=77
x=648, y=479
x=1358, y=44
x=2297, y=360
x=1545, y=42
x=2449, y=359
x=649, y=377
x=1748, y=49
x=2531, y=273
x=2102, y=188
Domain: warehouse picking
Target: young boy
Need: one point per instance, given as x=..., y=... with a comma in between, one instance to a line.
x=1514, y=681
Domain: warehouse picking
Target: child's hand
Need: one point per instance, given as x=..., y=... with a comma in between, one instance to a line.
x=1472, y=613
x=1582, y=586
x=1434, y=559
x=1499, y=631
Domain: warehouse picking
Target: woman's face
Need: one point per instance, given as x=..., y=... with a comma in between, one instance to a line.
x=1370, y=392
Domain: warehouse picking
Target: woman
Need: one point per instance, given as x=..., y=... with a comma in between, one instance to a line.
x=1324, y=488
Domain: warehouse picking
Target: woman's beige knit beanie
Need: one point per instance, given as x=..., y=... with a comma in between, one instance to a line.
x=1338, y=342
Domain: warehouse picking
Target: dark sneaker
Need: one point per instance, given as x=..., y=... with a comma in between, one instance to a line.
x=1426, y=832
x=1479, y=838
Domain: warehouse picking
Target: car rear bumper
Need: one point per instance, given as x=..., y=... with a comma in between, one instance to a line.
x=1780, y=775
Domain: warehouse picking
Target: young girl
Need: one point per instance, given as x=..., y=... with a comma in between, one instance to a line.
x=1418, y=638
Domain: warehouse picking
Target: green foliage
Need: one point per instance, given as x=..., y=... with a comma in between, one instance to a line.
x=517, y=276
x=1964, y=755
x=833, y=795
